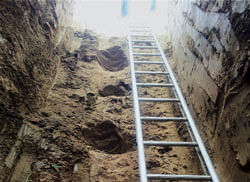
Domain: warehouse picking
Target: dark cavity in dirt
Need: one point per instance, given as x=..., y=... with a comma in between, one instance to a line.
x=108, y=137
x=113, y=59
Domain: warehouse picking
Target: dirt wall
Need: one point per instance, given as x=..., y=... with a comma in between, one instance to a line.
x=29, y=34
x=210, y=41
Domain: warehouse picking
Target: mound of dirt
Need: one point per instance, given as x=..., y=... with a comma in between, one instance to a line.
x=112, y=59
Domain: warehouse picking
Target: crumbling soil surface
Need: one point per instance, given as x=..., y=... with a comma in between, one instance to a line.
x=113, y=59
x=86, y=131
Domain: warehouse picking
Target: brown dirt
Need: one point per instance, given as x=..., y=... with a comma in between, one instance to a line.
x=87, y=128
x=112, y=59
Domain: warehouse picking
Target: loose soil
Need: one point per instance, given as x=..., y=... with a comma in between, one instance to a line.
x=86, y=131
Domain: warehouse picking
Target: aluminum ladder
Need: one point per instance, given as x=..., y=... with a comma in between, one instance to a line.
x=147, y=36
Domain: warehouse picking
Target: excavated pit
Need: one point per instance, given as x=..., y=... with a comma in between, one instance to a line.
x=108, y=137
x=121, y=89
x=87, y=125
x=66, y=101
x=112, y=59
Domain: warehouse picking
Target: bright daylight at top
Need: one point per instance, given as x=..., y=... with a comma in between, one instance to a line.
x=112, y=17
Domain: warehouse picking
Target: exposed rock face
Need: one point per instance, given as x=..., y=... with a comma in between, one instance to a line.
x=211, y=42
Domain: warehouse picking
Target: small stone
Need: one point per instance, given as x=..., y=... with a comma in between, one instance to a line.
x=75, y=167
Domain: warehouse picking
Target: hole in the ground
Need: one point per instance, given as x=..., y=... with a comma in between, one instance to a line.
x=108, y=137
x=112, y=90
x=112, y=59
x=246, y=167
x=120, y=89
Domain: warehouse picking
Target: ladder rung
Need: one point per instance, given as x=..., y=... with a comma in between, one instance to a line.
x=179, y=177
x=198, y=144
x=146, y=54
x=154, y=85
x=148, y=62
x=158, y=99
x=145, y=47
x=163, y=119
x=165, y=143
x=141, y=41
x=151, y=72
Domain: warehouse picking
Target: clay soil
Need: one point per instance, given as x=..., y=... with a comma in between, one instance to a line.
x=86, y=131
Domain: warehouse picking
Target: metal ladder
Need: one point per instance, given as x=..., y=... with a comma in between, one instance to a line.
x=145, y=32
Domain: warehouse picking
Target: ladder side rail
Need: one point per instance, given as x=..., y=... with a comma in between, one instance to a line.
x=190, y=133
x=186, y=123
x=139, y=135
x=203, y=165
x=191, y=122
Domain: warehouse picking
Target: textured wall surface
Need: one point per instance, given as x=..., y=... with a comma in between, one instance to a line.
x=211, y=42
x=29, y=34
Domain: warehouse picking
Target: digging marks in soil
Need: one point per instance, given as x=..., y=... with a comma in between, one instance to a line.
x=87, y=127
x=107, y=137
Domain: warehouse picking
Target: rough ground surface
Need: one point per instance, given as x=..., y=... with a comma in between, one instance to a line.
x=66, y=106
x=85, y=132
x=29, y=32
